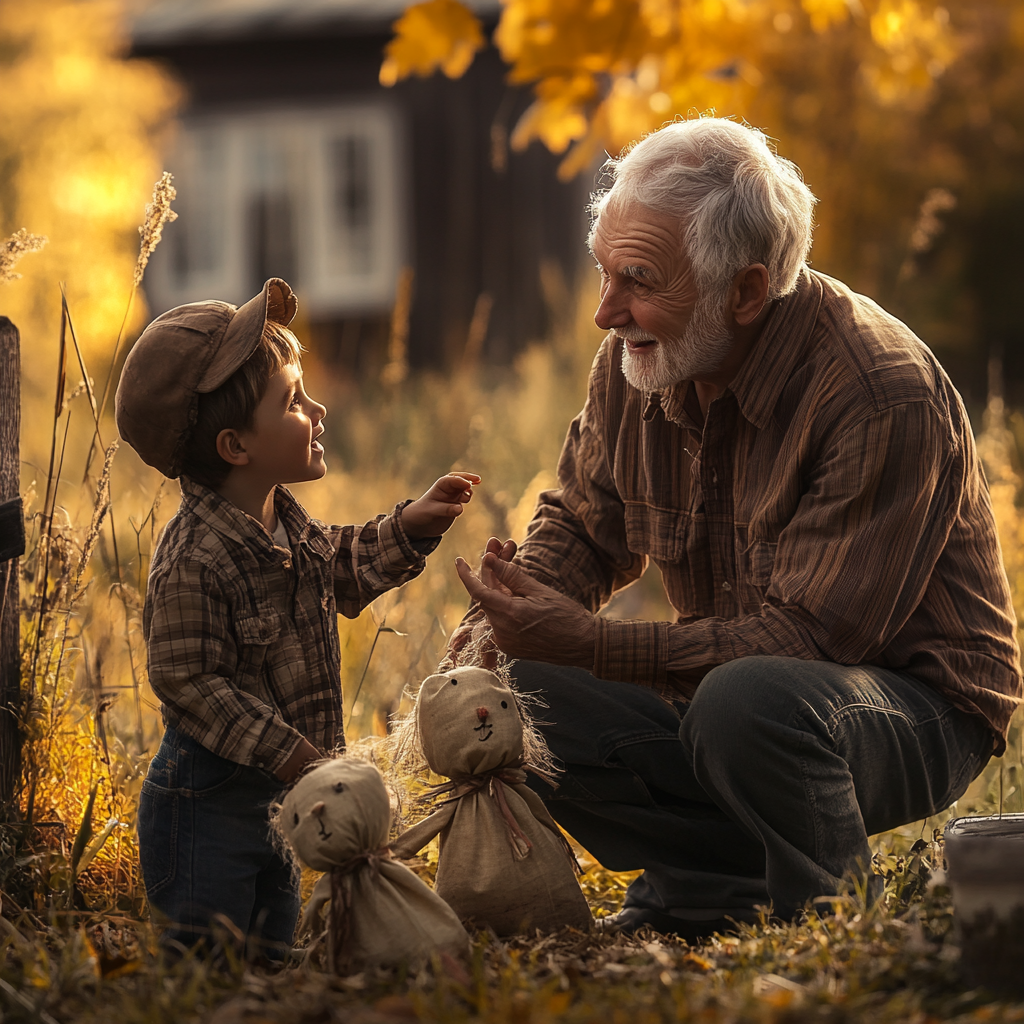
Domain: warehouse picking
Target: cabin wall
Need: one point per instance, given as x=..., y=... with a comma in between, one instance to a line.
x=485, y=231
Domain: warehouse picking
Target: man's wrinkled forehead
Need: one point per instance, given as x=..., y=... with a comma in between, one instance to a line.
x=623, y=208
x=628, y=231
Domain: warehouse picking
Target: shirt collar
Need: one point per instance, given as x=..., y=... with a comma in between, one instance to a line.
x=301, y=527
x=229, y=520
x=764, y=373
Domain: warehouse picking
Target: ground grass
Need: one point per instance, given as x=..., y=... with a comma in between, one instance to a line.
x=895, y=962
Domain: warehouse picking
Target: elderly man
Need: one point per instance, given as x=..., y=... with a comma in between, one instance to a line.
x=803, y=473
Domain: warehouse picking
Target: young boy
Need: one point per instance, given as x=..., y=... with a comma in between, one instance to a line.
x=240, y=617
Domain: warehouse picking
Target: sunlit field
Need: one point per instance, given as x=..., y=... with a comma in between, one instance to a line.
x=74, y=906
x=78, y=155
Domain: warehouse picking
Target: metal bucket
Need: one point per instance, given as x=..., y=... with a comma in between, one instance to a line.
x=985, y=862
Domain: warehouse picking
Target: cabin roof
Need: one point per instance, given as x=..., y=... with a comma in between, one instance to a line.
x=163, y=22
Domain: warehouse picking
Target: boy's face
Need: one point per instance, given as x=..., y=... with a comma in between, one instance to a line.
x=282, y=445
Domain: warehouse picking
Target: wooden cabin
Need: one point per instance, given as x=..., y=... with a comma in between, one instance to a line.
x=409, y=230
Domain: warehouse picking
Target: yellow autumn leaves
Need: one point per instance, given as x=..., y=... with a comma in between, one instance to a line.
x=77, y=160
x=605, y=72
x=437, y=34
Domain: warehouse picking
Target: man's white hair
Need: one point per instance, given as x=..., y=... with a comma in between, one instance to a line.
x=738, y=201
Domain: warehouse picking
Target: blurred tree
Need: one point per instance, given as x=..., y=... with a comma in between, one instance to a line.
x=905, y=116
x=77, y=162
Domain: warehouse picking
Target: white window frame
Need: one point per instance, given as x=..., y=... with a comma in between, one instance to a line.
x=300, y=142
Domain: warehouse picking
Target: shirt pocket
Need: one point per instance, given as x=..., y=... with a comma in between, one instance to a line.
x=759, y=563
x=654, y=531
x=256, y=627
x=256, y=630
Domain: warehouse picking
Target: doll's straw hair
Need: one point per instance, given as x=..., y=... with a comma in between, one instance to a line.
x=404, y=745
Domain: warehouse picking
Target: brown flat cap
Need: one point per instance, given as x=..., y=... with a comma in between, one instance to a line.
x=188, y=351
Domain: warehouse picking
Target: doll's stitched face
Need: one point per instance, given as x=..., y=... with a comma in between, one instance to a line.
x=469, y=722
x=337, y=811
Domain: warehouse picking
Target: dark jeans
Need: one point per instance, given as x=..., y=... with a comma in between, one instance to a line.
x=761, y=790
x=205, y=848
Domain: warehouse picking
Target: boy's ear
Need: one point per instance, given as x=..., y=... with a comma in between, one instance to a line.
x=231, y=449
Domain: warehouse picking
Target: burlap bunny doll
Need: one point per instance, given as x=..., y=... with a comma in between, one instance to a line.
x=337, y=819
x=503, y=862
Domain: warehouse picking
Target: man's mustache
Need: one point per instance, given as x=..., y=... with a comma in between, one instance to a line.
x=633, y=334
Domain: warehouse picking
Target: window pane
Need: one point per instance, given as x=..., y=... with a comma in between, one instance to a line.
x=353, y=207
x=198, y=240
x=270, y=221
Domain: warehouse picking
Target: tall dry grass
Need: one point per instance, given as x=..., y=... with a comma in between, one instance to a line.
x=95, y=513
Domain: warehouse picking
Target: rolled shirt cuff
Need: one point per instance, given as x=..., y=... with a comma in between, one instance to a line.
x=631, y=651
x=401, y=550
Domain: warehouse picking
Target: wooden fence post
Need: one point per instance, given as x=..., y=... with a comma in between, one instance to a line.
x=12, y=546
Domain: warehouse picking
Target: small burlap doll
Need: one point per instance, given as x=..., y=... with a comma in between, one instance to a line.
x=337, y=819
x=503, y=862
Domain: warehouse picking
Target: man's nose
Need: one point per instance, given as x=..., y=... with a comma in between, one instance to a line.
x=612, y=312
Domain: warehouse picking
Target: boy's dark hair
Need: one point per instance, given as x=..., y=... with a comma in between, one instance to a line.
x=233, y=404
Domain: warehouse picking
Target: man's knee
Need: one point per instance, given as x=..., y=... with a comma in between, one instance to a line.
x=736, y=701
x=562, y=693
x=564, y=704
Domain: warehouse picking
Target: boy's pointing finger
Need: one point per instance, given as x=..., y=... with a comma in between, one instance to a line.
x=465, y=479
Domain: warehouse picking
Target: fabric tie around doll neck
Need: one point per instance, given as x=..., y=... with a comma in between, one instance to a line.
x=494, y=782
x=341, y=898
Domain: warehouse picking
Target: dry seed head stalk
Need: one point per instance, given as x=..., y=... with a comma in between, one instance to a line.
x=158, y=213
x=99, y=511
x=21, y=243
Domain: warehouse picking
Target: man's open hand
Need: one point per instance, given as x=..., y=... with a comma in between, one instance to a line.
x=476, y=634
x=528, y=619
x=434, y=512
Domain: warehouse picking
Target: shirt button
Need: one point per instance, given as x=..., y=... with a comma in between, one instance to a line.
x=259, y=764
x=726, y=586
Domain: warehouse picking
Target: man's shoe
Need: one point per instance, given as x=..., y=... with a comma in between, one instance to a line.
x=630, y=920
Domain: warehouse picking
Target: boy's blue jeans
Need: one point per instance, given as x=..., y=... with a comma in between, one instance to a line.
x=761, y=790
x=205, y=848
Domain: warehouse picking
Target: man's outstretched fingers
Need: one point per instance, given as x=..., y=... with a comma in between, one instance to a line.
x=505, y=551
x=490, y=599
x=511, y=575
x=469, y=578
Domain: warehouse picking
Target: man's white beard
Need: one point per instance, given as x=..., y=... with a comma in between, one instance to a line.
x=699, y=352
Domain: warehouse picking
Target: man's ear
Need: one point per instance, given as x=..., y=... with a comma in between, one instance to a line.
x=230, y=447
x=749, y=293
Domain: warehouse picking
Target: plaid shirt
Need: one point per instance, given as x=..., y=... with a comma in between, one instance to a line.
x=831, y=507
x=242, y=635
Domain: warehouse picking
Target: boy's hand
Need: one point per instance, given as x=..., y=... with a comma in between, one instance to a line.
x=303, y=754
x=431, y=515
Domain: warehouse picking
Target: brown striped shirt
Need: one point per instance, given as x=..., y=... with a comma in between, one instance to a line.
x=830, y=507
x=242, y=635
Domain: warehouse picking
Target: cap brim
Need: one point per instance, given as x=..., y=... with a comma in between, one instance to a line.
x=242, y=335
